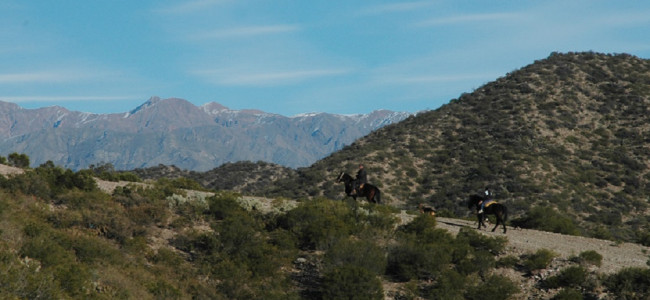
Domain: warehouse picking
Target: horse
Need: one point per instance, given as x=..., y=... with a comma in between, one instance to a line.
x=499, y=210
x=367, y=190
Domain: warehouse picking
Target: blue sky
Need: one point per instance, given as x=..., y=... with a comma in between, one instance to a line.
x=292, y=56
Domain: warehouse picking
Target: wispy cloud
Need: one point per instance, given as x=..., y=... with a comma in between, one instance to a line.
x=441, y=78
x=470, y=18
x=190, y=7
x=38, y=77
x=624, y=19
x=240, y=78
x=20, y=99
x=396, y=7
x=72, y=75
x=244, y=32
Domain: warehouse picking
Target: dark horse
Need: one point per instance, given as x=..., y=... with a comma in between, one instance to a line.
x=368, y=190
x=497, y=209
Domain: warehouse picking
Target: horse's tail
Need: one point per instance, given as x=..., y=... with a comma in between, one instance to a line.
x=378, y=197
x=505, y=213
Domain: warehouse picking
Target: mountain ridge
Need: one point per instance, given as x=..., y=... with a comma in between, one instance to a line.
x=176, y=132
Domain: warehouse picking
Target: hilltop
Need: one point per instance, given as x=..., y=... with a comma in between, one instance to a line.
x=566, y=137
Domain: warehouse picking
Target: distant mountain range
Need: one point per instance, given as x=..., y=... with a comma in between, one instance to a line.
x=176, y=132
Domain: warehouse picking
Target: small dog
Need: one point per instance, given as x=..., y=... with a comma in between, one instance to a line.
x=425, y=209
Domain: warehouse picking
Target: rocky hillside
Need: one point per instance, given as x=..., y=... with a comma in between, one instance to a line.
x=176, y=132
x=568, y=135
x=244, y=176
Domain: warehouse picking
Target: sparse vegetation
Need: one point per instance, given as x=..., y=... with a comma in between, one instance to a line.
x=573, y=165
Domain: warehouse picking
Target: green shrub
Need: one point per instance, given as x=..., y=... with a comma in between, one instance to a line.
x=494, y=245
x=162, y=289
x=494, y=287
x=539, y=260
x=411, y=259
x=420, y=224
x=449, y=285
x=223, y=205
x=47, y=250
x=590, y=257
x=548, y=219
x=509, y=261
x=167, y=257
x=23, y=278
x=573, y=276
x=90, y=249
x=479, y=261
x=351, y=282
x=380, y=217
x=318, y=224
x=363, y=254
x=73, y=278
x=629, y=283
x=568, y=294
x=18, y=160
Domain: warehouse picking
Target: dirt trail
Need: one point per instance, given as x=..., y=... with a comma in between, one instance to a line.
x=615, y=255
x=9, y=170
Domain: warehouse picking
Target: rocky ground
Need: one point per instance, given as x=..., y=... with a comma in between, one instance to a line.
x=615, y=255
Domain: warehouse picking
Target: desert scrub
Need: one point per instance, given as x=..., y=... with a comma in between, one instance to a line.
x=538, y=260
x=572, y=276
x=589, y=257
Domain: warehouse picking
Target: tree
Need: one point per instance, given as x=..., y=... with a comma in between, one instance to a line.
x=18, y=160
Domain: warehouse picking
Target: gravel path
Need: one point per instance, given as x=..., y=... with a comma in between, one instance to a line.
x=615, y=255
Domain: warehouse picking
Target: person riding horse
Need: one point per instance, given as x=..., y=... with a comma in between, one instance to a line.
x=487, y=199
x=362, y=178
x=367, y=190
x=490, y=207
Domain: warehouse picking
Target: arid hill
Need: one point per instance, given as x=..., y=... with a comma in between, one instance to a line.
x=568, y=135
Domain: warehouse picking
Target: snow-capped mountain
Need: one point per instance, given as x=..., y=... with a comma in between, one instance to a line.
x=176, y=132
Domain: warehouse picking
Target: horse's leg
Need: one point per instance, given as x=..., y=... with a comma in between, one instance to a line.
x=498, y=221
x=480, y=220
x=371, y=196
x=505, y=217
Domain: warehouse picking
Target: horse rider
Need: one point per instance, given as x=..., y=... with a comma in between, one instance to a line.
x=487, y=199
x=362, y=178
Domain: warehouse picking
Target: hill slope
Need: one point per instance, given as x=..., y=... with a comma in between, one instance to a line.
x=569, y=133
x=64, y=238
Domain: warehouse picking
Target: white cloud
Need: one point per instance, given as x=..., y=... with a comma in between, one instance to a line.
x=19, y=99
x=242, y=78
x=397, y=7
x=70, y=75
x=244, y=32
x=440, y=78
x=190, y=6
x=470, y=18
x=38, y=77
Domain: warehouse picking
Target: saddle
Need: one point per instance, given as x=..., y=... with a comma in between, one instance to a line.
x=489, y=202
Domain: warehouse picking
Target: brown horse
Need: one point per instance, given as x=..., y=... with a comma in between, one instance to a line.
x=497, y=209
x=367, y=190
